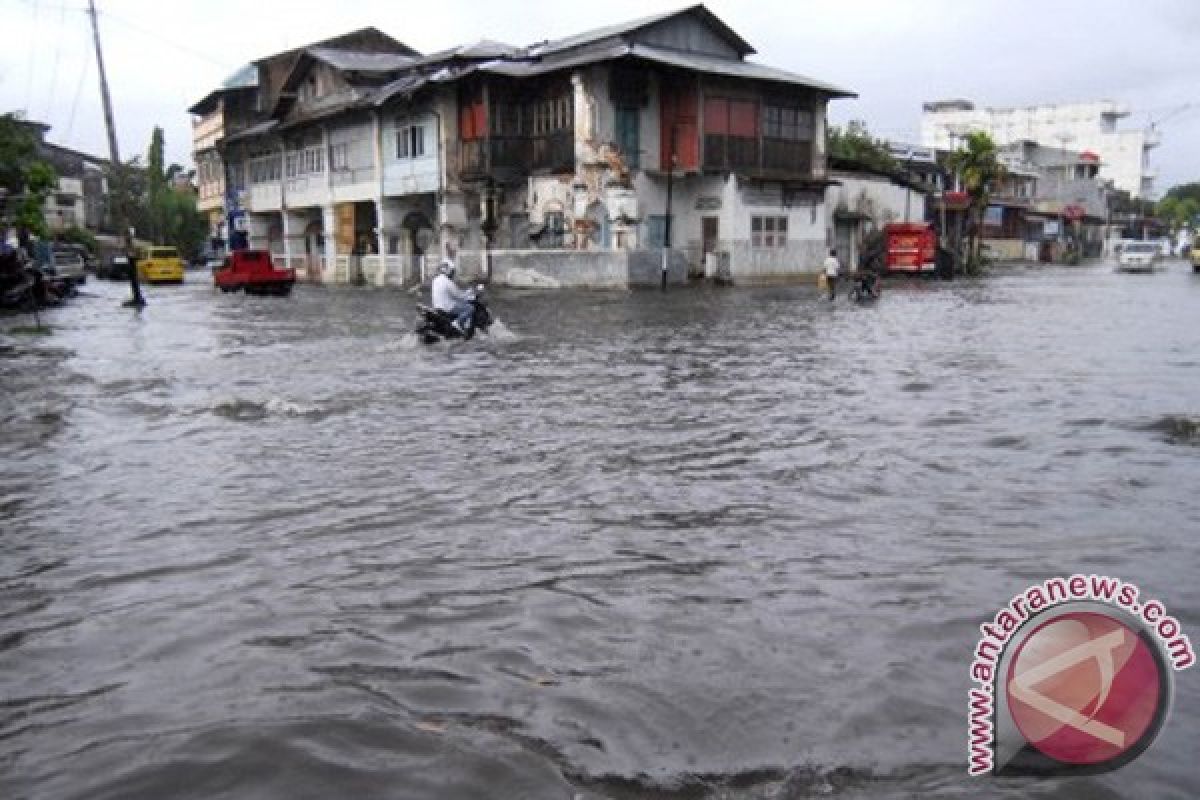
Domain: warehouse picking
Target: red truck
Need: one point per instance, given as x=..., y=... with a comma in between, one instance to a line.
x=910, y=247
x=254, y=272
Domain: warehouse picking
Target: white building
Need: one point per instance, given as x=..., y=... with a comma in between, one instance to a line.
x=1080, y=127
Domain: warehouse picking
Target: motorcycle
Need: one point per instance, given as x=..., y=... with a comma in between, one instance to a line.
x=434, y=326
x=866, y=288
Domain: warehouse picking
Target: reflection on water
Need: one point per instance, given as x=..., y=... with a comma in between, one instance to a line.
x=696, y=544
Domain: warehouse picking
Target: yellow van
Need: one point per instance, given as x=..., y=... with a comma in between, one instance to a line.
x=160, y=265
x=1196, y=255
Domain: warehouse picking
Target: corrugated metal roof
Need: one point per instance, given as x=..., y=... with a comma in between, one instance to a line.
x=245, y=78
x=402, y=87
x=737, y=69
x=711, y=65
x=482, y=49
x=622, y=28
x=252, y=131
x=358, y=61
x=521, y=69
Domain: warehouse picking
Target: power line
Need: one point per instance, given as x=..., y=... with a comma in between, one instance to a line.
x=160, y=39
x=62, y=21
x=83, y=73
x=32, y=52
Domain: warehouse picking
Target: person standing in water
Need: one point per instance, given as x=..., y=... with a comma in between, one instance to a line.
x=831, y=273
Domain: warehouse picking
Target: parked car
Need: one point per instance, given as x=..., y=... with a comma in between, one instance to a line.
x=114, y=267
x=67, y=263
x=160, y=265
x=1195, y=255
x=254, y=272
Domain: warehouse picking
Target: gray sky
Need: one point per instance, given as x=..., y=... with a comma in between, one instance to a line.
x=162, y=55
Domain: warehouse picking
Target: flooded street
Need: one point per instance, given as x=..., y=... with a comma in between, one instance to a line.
x=699, y=544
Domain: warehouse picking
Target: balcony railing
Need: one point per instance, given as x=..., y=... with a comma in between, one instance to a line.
x=521, y=154
x=753, y=155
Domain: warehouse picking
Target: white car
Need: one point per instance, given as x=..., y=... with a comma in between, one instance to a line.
x=1137, y=256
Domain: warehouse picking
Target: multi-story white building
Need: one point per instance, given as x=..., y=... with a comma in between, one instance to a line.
x=654, y=145
x=1079, y=127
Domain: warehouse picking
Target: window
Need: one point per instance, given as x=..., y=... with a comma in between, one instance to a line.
x=410, y=141
x=628, y=136
x=768, y=232
x=556, y=226
x=339, y=158
x=790, y=123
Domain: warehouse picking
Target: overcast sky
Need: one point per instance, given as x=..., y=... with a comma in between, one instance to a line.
x=162, y=55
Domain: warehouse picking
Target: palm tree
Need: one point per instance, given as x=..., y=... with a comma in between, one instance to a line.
x=980, y=170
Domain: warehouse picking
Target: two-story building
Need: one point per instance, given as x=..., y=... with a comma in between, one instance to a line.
x=578, y=161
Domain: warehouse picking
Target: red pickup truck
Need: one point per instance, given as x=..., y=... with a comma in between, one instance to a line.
x=254, y=272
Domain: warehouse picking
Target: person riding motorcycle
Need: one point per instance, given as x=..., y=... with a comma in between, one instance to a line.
x=451, y=300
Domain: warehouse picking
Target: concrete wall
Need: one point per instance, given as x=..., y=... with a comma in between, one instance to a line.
x=410, y=175
x=574, y=269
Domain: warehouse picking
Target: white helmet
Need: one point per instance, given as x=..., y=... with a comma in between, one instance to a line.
x=446, y=268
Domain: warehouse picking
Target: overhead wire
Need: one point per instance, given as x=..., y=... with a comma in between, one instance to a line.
x=32, y=55
x=85, y=69
x=58, y=42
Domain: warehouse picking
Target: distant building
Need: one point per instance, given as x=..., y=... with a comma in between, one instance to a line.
x=1124, y=155
x=81, y=197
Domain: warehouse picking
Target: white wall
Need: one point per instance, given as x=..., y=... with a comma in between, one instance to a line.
x=1121, y=152
x=403, y=176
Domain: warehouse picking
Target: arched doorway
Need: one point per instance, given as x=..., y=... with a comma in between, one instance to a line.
x=599, y=233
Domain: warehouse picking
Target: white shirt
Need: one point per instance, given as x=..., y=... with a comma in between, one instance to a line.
x=831, y=266
x=445, y=294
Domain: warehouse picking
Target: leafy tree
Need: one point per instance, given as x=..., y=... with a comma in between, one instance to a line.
x=855, y=143
x=25, y=178
x=30, y=214
x=160, y=212
x=1184, y=191
x=78, y=235
x=1179, y=210
x=980, y=169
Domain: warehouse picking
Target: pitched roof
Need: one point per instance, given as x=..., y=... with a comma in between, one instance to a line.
x=697, y=62
x=623, y=28
x=359, y=61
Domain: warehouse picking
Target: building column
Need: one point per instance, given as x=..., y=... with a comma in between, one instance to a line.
x=293, y=235
x=329, y=230
x=258, y=231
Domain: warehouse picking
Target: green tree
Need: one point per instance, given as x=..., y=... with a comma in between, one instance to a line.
x=159, y=212
x=1178, y=210
x=1185, y=190
x=979, y=168
x=25, y=178
x=855, y=143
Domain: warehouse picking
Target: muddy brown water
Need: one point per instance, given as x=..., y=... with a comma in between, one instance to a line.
x=702, y=544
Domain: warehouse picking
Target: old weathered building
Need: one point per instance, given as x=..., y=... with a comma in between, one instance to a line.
x=614, y=145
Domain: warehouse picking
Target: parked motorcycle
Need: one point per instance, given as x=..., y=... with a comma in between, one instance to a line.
x=434, y=326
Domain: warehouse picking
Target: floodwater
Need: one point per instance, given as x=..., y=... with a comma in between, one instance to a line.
x=702, y=544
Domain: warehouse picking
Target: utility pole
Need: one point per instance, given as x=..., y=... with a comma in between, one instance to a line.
x=671, y=159
x=120, y=218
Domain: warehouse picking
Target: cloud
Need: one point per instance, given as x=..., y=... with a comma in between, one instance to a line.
x=162, y=56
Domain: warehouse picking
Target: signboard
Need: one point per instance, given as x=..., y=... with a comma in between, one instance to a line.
x=1050, y=228
x=911, y=152
x=708, y=203
x=956, y=201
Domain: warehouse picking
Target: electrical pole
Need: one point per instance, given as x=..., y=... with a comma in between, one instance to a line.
x=118, y=194
x=671, y=158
